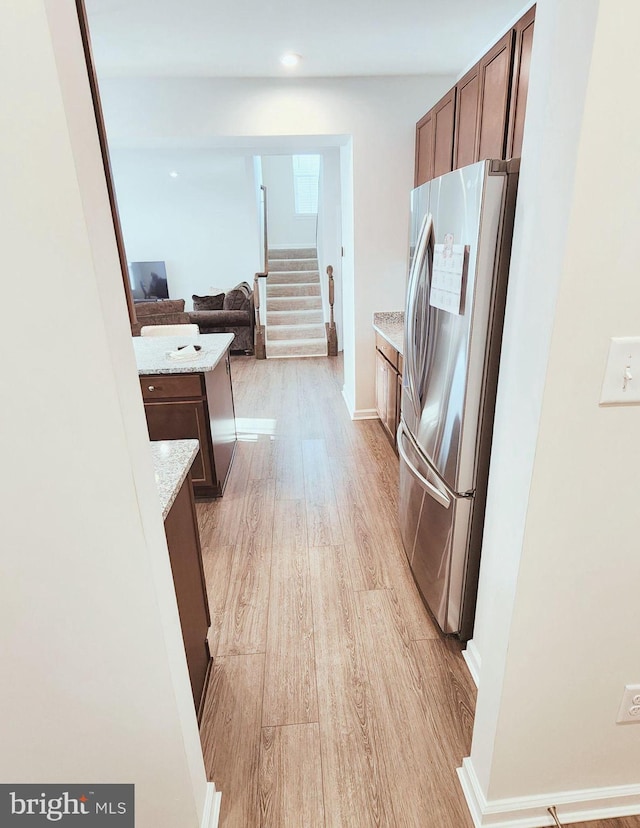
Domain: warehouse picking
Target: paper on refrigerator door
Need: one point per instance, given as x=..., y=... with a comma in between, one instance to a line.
x=448, y=280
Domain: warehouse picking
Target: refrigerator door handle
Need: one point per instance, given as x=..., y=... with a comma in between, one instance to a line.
x=425, y=236
x=436, y=494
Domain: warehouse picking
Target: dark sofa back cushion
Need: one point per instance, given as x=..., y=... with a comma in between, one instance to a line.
x=239, y=298
x=144, y=309
x=204, y=303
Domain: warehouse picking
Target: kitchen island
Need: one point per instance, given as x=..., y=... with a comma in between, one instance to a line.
x=172, y=461
x=191, y=399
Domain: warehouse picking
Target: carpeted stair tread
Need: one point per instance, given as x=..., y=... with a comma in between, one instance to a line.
x=293, y=289
x=294, y=317
x=288, y=277
x=297, y=347
x=293, y=253
x=275, y=303
x=275, y=265
x=314, y=330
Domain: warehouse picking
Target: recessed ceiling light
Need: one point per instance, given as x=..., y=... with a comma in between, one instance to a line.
x=290, y=59
x=173, y=174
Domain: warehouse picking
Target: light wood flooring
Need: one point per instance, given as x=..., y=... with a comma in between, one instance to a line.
x=333, y=700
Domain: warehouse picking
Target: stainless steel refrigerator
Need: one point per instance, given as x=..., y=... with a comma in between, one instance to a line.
x=460, y=243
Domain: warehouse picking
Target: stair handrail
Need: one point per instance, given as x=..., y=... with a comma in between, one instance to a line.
x=259, y=335
x=265, y=252
x=332, y=334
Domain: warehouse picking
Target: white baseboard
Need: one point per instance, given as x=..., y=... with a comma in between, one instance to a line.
x=473, y=660
x=531, y=812
x=347, y=402
x=364, y=414
x=361, y=413
x=211, y=813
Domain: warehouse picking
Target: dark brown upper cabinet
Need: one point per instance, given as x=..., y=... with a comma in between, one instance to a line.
x=483, y=115
x=520, y=82
x=424, y=149
x=434, y=140
x=443, y=123
x=495, y=89
x=465, y=150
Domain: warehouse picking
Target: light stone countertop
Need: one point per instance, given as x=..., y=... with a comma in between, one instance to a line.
x=172, y=460
x=390, y=325
x=151, y=353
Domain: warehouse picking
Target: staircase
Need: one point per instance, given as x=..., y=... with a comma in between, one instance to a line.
x=295, y=323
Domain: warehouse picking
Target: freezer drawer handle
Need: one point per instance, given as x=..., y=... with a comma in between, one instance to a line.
x=436, y=494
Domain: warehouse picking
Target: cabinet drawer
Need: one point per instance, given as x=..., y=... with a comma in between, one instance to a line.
x=387, y=350
x=171, y=386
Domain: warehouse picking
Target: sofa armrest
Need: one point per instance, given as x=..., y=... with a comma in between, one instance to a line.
x=220, y=318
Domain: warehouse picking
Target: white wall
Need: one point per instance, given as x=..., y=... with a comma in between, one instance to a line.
x=95, y=685
x=286, y=228
x=202, y=224
x=378, y=113
x=558, y=599
x=330, y=235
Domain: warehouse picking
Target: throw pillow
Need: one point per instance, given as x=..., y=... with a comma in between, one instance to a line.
x=206, y=303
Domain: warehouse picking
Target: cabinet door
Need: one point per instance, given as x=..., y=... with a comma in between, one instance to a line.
x=424, y=149
x=398, y=408
x=183, y=541
x=443, y=127
x=222, y=420
x=183, y=420
x=520, y=86
x=465, y=150
x=382, y=386
x=392, y=392
x=495, y=81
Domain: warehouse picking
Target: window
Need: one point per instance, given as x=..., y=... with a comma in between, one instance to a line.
x=306, y=175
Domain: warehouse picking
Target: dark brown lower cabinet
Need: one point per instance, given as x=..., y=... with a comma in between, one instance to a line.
x=183, y=540
x=388, y=386
x=182, y=420
x=195, y=406
x=385, y=393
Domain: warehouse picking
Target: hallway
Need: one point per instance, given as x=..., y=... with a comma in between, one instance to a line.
x=333, y=700
x=326, y=661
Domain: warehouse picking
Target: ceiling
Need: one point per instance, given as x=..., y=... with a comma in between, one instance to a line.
x=227, y=38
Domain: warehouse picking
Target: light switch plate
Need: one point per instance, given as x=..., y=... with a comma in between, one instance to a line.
x=621, y=384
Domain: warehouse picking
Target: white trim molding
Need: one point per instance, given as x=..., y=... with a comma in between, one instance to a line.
x=211, y=813
x=531, y=811
x=473, y=660
x=364, y=414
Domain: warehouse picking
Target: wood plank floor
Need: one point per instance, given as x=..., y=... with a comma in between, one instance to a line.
x=334, y=701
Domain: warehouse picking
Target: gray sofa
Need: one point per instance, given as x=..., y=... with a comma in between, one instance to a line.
x=231, y=312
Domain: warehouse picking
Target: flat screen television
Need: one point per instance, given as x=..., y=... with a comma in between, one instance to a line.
x=148, y=281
